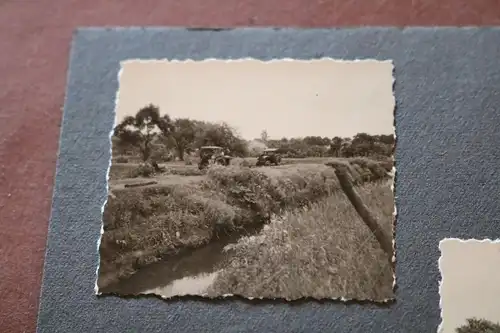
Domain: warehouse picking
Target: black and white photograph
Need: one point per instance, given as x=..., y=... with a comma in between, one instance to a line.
x=469, y=286
x=258, y=179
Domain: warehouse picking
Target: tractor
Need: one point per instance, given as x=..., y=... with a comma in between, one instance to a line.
x=269, y=156
x=213, y=155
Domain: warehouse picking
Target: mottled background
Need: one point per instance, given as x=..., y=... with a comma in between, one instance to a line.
x=34, y=42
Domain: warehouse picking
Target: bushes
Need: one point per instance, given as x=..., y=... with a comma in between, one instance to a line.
x=267, y=191
x=121, y=159
x=184, y=170
x=120, y=171
x=243, y=162
x=162, y=155
x=143, y=224
x=245, y=188
x=362, y=169
x=143, y=170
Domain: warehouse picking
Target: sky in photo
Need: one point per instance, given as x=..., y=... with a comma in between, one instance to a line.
x=470, y=287
x=287, y=98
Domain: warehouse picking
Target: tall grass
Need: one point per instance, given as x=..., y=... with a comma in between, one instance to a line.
x=319, y=251
x=142, y=225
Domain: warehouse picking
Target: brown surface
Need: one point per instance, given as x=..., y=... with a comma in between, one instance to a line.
x=34, y=41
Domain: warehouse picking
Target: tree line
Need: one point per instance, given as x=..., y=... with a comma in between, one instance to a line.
x=155, y=137
x=149, y=134
x=362, y=144
x=475, y=325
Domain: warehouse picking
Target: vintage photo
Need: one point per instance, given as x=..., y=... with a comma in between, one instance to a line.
x=470, y=286
x=250, y=178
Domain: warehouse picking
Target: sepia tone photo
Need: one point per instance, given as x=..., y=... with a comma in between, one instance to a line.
x=470, y=288
x=250, y=178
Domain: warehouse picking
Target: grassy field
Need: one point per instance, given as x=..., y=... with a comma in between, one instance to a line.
x=126, y=170
x=311, y=225
x=321, y=251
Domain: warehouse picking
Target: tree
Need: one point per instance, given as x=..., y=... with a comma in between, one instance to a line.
x=475, y=325
x=264, y=136
x=362, y=144
x=313, y=141
x=346, y=149
x=122, y=148
x=362, y=138
x=387, y=139
x=181, y=135
x=222, y=135
x=316, y=151
x=140, y=130
x=335, y=146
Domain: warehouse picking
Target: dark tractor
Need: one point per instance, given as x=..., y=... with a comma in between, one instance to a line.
x=213, y=155
x=268, y=157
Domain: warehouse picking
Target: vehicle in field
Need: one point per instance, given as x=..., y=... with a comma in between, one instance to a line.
x=269, y=156
x=213, y=155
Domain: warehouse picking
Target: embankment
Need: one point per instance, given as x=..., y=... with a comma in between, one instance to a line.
x=324, y=250
x=144, y=225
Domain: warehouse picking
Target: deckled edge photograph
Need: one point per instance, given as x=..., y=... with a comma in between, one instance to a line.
x=469, y=286
x=446, y=155
x=223, y=173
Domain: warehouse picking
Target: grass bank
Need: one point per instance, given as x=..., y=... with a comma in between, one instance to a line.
x=319, y=251
x=143, y=225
